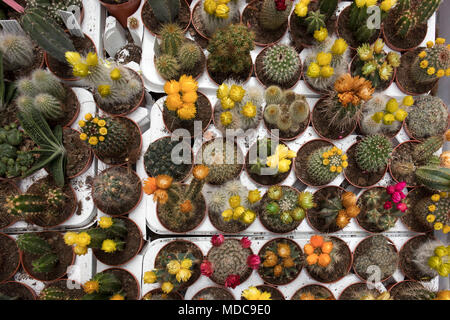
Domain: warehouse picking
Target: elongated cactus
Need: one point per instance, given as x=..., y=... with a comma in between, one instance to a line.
x=411, y=17
x=34, y=244
x=432, y=63
x=26, y=87
x=45, y=263
x=165, y=10
x=49, y=106
x=45, y=81
x=403, y=5
x=328, y=7
x=17, y=51
x=168, y=66
x=53, y=6
x=171, y=39
x=274, y=13
x=46, y=33
x=434, y=178
x=28, y=204
x=189, y=55
x=281, y=63
x=373, y=152
x=53, y=293
x=425, y=150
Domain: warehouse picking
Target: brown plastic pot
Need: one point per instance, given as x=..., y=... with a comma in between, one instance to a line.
x=151, y=31
x=392, y=154
x=350, y=285
x=137, y=282
x=135, y=254
x=13, y=185
x=28, y=288
x=314, y=285
x=19, y=260
x=159, y=291
x=123, y=10
x=408, y=132
x=88, y=164
x=392, y=46
x=403, y=217
x=366, y=238
x=401, y=283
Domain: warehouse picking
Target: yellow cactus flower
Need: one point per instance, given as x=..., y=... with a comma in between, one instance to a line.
x=370, y=3
x=227, y=215
x=167, y=287
x=360, y=3
x=81, y=123
x=248, y=217
x=117, y=296
x=236, y=93
x=313, y=70
x=254, y=293
x=104, y=90
x=171, y=87
x=173, y=102
x=101, y=123
x=438, y=226
x=83, y=239
x=333, y=168
x=91, y=286
x=189, y=97
x=386, y=5
x=210, y=6
x=186, y=263
x=440, y=73
x=378, y=45
x=430, y=44
x=339, y=46
x=254, y=196
x=377, y=116
x=339, y=169
x=321, y=34
x=70, y=238
x=83, y=136
x=95, y=120
x=103, y=131
x=431, y=71
x=435, y=197
x=234, y=201
x=301, y=10
x=93, y=141
x=101, y=138
x=401, y=115
x=344, y=164
x=223, y=91
x=187, y=84
x=226, y=118
x=115, y=74
x=150, y=277
x=440, y=40
x=388, y=119
x=284, y=165
x=183, y=275
x=227, y=103
x=447, y=72
x=392, y=105
x=73, y=57
x=326, y=71
x=109, y=245
x=92, y=59
x=173, y=266
x=446, y=229
x=105, y=222
x=237, y=212
x=222, y=11
x=423, y=54
x=80, y=70
x=408, y=101
x=344, y=157
x=326, y=162
x=80, y=251
x=324, y=58
x=430, y=218
x=88, y=117
x=423, y=64
x=432, y=208
x=249, y=110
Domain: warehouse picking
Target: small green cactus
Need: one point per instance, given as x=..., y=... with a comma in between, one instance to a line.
x=189, y=56
x=373, y=152
x=168, y=66
x=427, y=148
x=281, y=63
x=165, y=10
x=17, y=51
x=273, y=15
x=49, y=106
x=273, y=95
x=315, y=20
x=27, y=87
x=45, y=82
x=171, y=39
x=45, y=263
x=427, y=117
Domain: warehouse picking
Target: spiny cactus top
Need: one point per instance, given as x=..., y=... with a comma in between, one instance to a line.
x=325, y=164
x=432, y=63
x=438, y=211
x=182, y=97
x=281, y=63
x=413, y=15
x=373, y=152
x=17, y=51
x=274, y=13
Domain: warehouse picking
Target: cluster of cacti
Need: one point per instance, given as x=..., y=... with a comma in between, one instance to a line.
x=175, y=53
x=104, y=286
x=427, y=117
x=217, y=14
x=281, y=63
x=384, y=207
x=237, y=107
x=281, y=261
x=53, y=6
x=176, y=269
x=435, y=210
x=432, y=258
x=326, y=62
x=109, y=236
x=380, y=252
x=47, y=33
x=230, y=48
x=412, y=15
x=224, y=160
x=266, y=161
x=235, y=202
x=374, y=64
x=335, y=209
x=325, y=164
x=17, y=51
x=44, y=92
x=46, y=257
x=165, y=11
x=431, y=63
x=285, y=205
x=158, y=159
x=315, y=20
x=54, y=293
x=13, y=161
x=113, y=84
x=285, y=109
x=360, y=16
x=106, y=135
x=373, y=153
x=182, y=97
x=382, y=114
x=322, y=253
x=274, y=13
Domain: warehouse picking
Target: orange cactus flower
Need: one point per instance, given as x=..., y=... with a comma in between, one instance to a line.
x=308, y=248
x=277, y=270
x=307, y=296
x=164, y=181
x=200, y=172
x=342, y=220
x=324, y=260
x=352, y=211
x=186, y=206
x=150, y=185
x=160, y=196
x=348, y=199
x=316, y=241
x=270, y=259
x=312, y=259
x=91, y=286
x=284, y=250
x=288, y=262
x=327, y=247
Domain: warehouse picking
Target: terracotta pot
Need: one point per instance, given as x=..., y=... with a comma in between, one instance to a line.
x=392, y=46
x=314, y=285
x=63, y=282
x=157, y=35
x=390, y=161
x=122, y=11
x=18, y=262
x=138, y=294
x=131, y=258
x=401, y=283
x=158, y=291
x=28, y=288
x=214, y=81
x=402, y=218
x=408, y=132
x=88, y=164
x=138, y=104
x=396, y=251
x=213, y=287
x=13, y=185
x=350, y=285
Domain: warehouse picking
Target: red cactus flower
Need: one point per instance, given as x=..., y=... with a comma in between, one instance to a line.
x=387, y=205
x=390, y=189
x=280, y=5
x=253, y=261
x=232, y=281
x=206, y=268
x=217, y=240
x=402, y=207
x=396, y=197
x=245, y=243
x=400, y=186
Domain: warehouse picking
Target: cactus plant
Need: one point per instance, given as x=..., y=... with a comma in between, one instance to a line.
x=217, y=14
x=102, y=287
x=431, y=64
x=325, y=164
x=428, y=117
x=52, y=7
x=274, y=13
x=165, y=10
x=427, y=148
x=373, y=153
x=171, y=39
x=280, y=64
x=315, y=20
x=17, y=51
x=53, y=293
x=434, y=178
x=168, y=66
x=49, y=106
x=410, y=17
x=45, y=81
x=432, y=211
x=273, y=95
x=189, y=55
x=46, y=258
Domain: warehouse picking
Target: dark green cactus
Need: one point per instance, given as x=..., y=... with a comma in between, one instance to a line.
x=53, y=6
x=373, y=152
x=411, y=17
x=425, y=150
x=45, y=263
x=165, y=10
x=108, y=283
x=315, y=21
x=403, y=5
x=33, y=244
x=116, y=141
x=437, y=57
x=434, y=178
x=328, y=7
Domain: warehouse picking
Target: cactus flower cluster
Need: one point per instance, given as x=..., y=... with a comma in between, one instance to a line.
x=281, y=159
x=440, y=261
x=182, y=97
x=318, y=251
x=237, y=209
x=432, y=63
x=217, y=8
x=438, y=212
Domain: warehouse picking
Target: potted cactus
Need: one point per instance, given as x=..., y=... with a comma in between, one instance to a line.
x=79, y=155
x=406, y=24
x=377, y=251
x=374, y=64
x=335, y=116
x=44, y=255
x=59, y=290
x=52, y=8
x=155, y=13
x=177, y=266
x=281, y=261
x=177, y=55
x=208, y=16
x=223, y=158
x=229, y=54
x=185, y=105
x=268, y=163
x=368, y=160
x=313, y=292
x=121, y=9
x=355, y=23
x=233, y=208
x=381, y=207
x=311, y=18
x=414, y=290
x=112, y=284
x=319, y=162
x=213, y=293
x=286, y=112
x=117, y=190
x=430, y=211
x=334, y=210
x=180, y=207
x=384, y=115
x=9, y=257
x=229, y=262
x=13, y=290
x=421, y=68
x=283, y=208
x=262, y=292
x=325, y=63
x=7, y=189
x=237, y=107
x=268, y=19
x=8, y=93
x=360, y=291
x=328, y=259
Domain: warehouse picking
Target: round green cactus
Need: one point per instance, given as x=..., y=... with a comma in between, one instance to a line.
x=281, y=63
x=373, y=152
x=168, y=66
x=189, y=55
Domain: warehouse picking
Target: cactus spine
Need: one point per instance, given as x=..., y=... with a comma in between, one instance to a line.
x=168, y=66
x=274, y=13
x=17, y=51
x=171, y=39
x=45, y=82
x=427, y=148
x=431, y=64
x=189, y=55
x=428, y=117
x=281, y=64
x=373, y=152
x=412, y=17
x=49, y=106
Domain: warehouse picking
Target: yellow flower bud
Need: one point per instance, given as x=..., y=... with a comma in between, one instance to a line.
x=321, y=34
x=237, y=212
x=313, y=70
x=79, y=250
x=249, y=110
x=248, y=217
x=83, y=239
x=73, y=57
x=173, y=102
x=234, y=201
x=408, y=101
x=101, y=123
x=109, y=245
x=430, y=44
x=167, y=287
x=360, y=3
x=431, y=71
x=323, y=58
x=401, y=115
x=378, y=45
x=254, y=196
x=209, y=6
x=187, y=112
x=223, y=91
x=388, y=119
x=115, y=74
x=226, y=118
x=227, y=215
x=150, y=277
x=440, y=40
x=222, y=11
x=392, y=105
x=83, y=136
x=227, y=103
x=284, y=165
x=339, y=46
x=301, y=10
x=81, y=123
x=183, y=275
x=171, y=87
x=326, y=71
x=236, y=93
x=92, y=59
x=70, y=238
x=186, y=263
x=104, y=90
x=378, y=116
